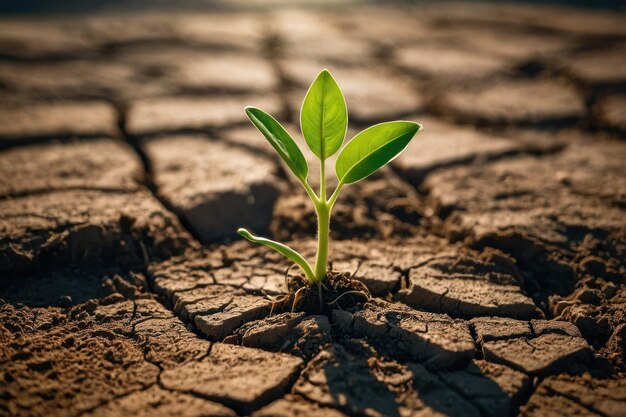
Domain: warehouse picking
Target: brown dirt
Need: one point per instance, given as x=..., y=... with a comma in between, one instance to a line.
x=481, y=274
x=337, y=291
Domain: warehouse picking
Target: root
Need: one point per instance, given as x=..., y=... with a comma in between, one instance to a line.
x=363, y=286
x=338, y=290
x=277, y=301
x=296, y=298
x=365, y=295
x=287, y=274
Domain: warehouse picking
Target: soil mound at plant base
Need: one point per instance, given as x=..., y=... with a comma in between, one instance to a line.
x=338, y=290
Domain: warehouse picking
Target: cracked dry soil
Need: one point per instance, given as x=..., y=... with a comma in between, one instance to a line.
x=493, y=249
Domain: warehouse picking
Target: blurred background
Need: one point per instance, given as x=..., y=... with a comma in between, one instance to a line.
x=39, y=6
x=393, y=58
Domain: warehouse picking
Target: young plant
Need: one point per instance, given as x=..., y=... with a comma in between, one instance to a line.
x=324, y=123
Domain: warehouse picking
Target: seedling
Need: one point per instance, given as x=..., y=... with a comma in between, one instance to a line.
x=324, y=123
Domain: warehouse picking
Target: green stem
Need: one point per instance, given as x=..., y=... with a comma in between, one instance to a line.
x=310, y=192
x=323, y=229
x=335, y=194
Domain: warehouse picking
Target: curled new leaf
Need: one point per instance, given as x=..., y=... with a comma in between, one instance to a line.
x=373, y=148
x=283, y=250
x=280, y=140
x=324, y=116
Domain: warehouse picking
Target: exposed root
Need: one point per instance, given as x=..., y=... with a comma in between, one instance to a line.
x=366, y=296
x=338, y=291
x=296, y=298
x=277, y=301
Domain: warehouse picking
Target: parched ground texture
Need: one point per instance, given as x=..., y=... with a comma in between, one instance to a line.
x=494, y=248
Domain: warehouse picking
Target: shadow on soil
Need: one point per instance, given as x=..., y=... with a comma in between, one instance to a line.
x=360, y=384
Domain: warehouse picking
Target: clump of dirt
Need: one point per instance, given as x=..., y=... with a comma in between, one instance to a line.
x=338, y=291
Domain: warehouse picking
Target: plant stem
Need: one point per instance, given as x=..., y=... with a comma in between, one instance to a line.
x=335, y=194
x=323, y=226
x=310, y=192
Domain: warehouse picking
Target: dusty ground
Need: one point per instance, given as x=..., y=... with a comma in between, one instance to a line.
x=495, y=247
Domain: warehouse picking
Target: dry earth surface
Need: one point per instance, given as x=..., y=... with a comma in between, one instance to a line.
x=494, y=248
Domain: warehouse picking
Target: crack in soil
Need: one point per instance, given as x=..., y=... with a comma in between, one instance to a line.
x=148, y=173
x=271, y=47
x=576, y=401
x=118, y=397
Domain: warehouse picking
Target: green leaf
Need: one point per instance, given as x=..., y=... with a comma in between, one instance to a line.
x=373, y=148
x=280, y=140
x=324, y=116
x=283, y=250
